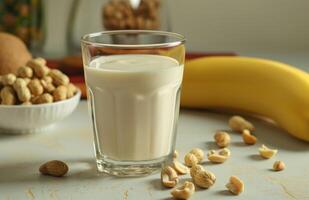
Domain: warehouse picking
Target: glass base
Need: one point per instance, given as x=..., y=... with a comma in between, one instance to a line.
x=131, y=168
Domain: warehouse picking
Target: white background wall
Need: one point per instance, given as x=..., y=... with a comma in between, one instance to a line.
x=209, y=25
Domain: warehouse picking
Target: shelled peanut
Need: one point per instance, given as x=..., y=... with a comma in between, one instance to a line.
x=35, y=83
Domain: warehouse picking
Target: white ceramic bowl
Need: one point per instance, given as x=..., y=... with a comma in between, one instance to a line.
x=20, y=119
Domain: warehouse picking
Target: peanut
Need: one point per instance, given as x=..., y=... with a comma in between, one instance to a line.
x=54, y=168
x=238, y=124
x=60, y=93
x=222, y=139
x=235, y=185
x=39, y=67
x=180, y=168
x=8, y=96
x=219, y=156
x=248, y=138
x=204, y=178
x=71, y=90
x=190, y=159
x=47, y=79
x=199, y=154
x=169, y=177
x=58, y=77
x=279, y=165
x=21, y=89
x=195, y=169
x=184, y=192
x=8, y=79
x=35, y=87
x=43, y=98
x=48, y=86
x=266, y=152
x=27, y=103
x=24, y=72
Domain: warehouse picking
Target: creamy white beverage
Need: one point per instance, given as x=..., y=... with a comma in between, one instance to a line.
x=134, y=104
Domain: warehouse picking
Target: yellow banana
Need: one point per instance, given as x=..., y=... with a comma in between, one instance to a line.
x=263, y=87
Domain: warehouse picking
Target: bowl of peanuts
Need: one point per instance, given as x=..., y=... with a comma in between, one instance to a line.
x=35, y=98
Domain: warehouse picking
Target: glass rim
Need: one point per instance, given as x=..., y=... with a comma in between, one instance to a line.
x=180, y=39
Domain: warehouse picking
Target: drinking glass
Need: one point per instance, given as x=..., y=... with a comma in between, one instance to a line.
x=133, y=80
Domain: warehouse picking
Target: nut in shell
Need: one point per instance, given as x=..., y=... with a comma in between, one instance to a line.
x=180, y=168
x=278, y=166
x=204, y=178
x=222, y=139
x=248, y=138
x=235, y=185
x=54, y=168
x=169, y=177
x=238, y=124
x=184, y=192
x=266, y=152
x=190, y=159
x=199, y=154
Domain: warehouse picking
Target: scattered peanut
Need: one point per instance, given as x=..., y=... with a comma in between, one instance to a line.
x=24, y=72
x=204, y=179
x=169, y=177
x=279, y=165
x=190, y=159
x=235, y=185
x=199, y=154
x=248, y=138
x=35, y=87
x=21, y=89
x=39, y=67
x=222, y=139
x=8, y=79
x=238, y=123
x=266, y=152
x=184, y=192
x=180, y=168
x=195, y=169
x=8, y=96
x=58, y=77
x=54, y=168
x=201, y=177
x=43, y=98
x=219, y=156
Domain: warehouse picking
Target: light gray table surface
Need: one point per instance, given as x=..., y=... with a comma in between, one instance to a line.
x=71, y=140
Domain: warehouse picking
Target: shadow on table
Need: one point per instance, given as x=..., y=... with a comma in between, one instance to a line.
x=267, y=133
x=29, y=172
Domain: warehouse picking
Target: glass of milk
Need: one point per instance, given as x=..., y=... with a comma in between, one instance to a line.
x=133, y=80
